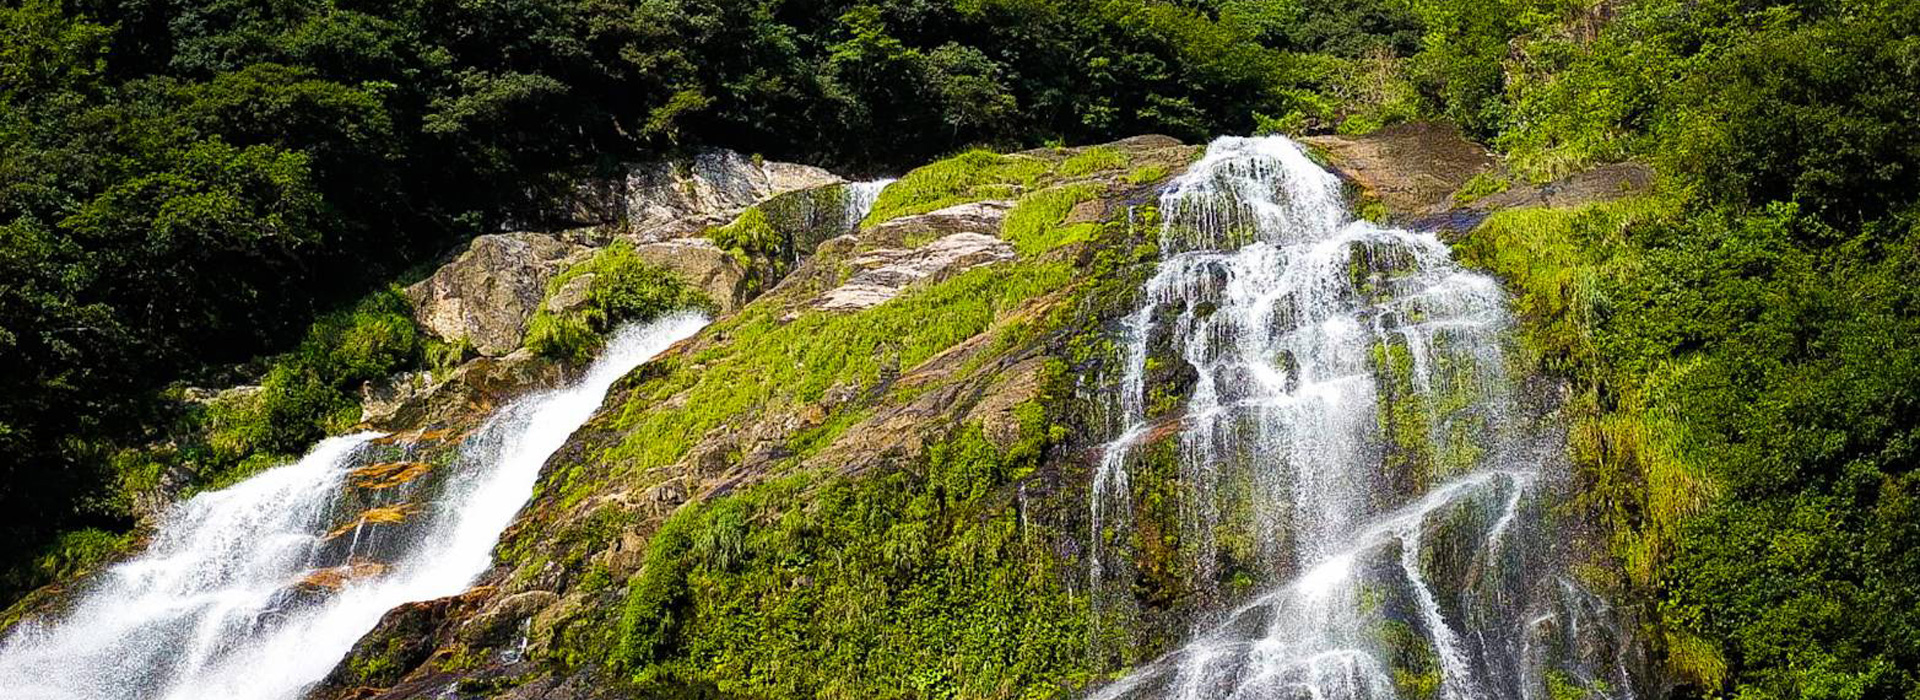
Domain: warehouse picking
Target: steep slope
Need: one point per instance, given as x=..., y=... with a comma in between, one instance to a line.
x=874, y=480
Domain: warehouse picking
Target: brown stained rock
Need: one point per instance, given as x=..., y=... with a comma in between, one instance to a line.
x=488, y=292
x=386, y=475
x=382, y=515
x=333, y=577
x=995, y=411
x=500, y=620
x=1413, y=168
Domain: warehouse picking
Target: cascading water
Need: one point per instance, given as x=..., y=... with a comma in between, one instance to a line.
x=860, y=198
x=218, y=606
x=1348, y=428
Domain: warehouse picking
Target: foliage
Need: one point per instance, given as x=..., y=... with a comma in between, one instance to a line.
x=312, y=391
x=189, y=187
x=923, y=582
x=620, y=287
x=969, y=177
x=1743, y=398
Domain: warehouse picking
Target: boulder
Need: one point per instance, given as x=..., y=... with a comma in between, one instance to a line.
x=697, y=261
x=487, y=294
x=671, y=199
x=967, y=237
x=1413, y=169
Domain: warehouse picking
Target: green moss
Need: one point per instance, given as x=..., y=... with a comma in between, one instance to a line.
x=1405, y=416
x=1563, y=686
x=969, y=177
x=749, y=235
x=1413, y=663
x=918, y=583
x=1033, y=226
x=1145, y=174
x=80, y=551
x=622, y=288
x=772, y=363
x=1093, y=160
x=1479, y=186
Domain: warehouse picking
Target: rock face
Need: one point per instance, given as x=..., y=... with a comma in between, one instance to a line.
x=976, y=353
x=671, y=199
x=488, y=292
x=702, y=264
x=971, y=239
x=1413, y=168
x=1600, y=184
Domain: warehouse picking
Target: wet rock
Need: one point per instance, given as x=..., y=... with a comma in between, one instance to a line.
x=489, y=291
x=500, y=622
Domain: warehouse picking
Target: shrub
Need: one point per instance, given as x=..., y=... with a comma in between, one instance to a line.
x=622, y=288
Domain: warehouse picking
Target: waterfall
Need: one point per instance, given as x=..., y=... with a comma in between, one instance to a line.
x=245, y=593
x=1359, y=493
x=860, y=198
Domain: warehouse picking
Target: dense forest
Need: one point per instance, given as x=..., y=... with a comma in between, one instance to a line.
x=193, y=191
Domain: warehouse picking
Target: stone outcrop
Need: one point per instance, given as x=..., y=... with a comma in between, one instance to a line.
x=968, y=238
x=1416, y=170
x=671, y=199
x=699, y=262
x=486, y=295
x=1412, y=168
x=1600, y=184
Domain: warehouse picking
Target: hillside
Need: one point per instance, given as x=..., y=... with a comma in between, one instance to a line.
x=1538, y=349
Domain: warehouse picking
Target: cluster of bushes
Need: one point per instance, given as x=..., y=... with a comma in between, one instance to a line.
x=1742, y=342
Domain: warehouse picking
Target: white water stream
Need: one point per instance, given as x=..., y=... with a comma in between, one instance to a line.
x=213, y=609
x=1406, y=545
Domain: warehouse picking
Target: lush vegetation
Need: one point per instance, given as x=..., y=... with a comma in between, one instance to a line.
x=189, y=186
x=183, y=188
x=612, y=287
x=1741, y=342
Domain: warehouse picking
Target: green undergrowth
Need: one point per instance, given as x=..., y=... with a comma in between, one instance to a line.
x=1743, y=385
x=770, y=364
x=1092, y=160
x=1034, y=223
x=1564, y=265
x=923, y=582
x=620, y=288
x=308, y=393
x=771, y=237
x=969, y=177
